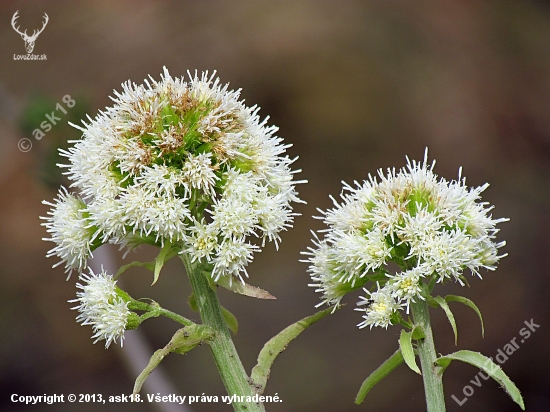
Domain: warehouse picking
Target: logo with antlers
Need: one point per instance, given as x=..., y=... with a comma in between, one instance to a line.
x=29, y=40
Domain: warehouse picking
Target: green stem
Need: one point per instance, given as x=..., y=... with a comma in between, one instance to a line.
x=156, y=312
x=152, y=310
x=175, y=317
x=433, y=382
x=227, y=360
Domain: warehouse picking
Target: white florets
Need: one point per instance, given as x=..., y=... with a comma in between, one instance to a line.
x=70, y=230
x=169, y=154
x=232, y=258
x=381, y=305
x=101, y=307
x=429, y=227
x=199, y=173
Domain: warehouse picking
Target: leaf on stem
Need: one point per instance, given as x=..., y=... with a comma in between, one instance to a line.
x=160, y=260
x=148, y=265
x=277, y=344
x=244, y=288
x=165, y=254
x=383, y=370
x=182, y=342
x=442, y=303
x=486, y=365
x=470, y=304
x=230, y=320
x=407, y=351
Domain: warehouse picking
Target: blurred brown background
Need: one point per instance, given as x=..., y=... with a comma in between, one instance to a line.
x=354, y=86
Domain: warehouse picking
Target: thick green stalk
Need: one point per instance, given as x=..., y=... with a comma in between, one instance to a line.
x=227, y=360
x=433, y=382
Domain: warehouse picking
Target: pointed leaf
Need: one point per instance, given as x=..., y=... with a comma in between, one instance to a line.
x=160, y=260
x=405, y=344
x=470, y=304
x=486, y=365
x=155, y=360
x=148, y=265
x=182, y=342
x=443, y=304
x=383, y=370
x=230, y=320
x=152, y=266
x=277, y=344
x=244, y=288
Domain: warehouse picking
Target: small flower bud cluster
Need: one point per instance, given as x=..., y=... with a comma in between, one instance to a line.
x=430, y=228
x=101, y=307
x=180, y=162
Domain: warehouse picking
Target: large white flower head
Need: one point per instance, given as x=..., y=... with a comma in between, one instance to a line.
x=430, y=228
x=100, y=306
x=173, y=154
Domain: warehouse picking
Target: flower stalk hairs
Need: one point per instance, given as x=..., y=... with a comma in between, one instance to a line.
x=433, y=231
x=184, y=166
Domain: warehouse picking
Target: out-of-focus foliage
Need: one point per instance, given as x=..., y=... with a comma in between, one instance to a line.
x=34, y=114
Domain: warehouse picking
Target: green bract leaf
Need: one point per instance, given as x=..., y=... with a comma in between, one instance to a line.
x=148, y=265
x=277, y=344
x=405, y=344
x=182, y=342
x=160, y=260
x=470, y=304
x=244, y=288
x=443, y=304
x=165, y=254
x=418, y=333
x=230, y=320
x=487, y=366
x=383, y=370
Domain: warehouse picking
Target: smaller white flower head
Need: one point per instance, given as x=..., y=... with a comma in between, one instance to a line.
x=233, y=256
x=70, y=230
x=161, y=181
x=405, y=286
x=202, y=242
x=323, y=273
x=358, y=253
x=418, y=227
x=163, y=217
x=101, y=307
x=199, y=173
x=274, y=215
x=381, y=306
x=350, y=214
x=448, y=254
x=232, y=217
x=427, y=226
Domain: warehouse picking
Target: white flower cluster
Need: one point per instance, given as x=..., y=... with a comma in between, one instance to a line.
x=180, y=162
x=69, y=230
x=429, y=228
x=101, y=307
